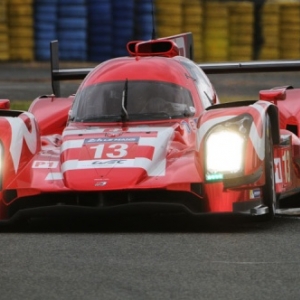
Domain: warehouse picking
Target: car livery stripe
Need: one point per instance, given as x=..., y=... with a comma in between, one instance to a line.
x=139, y=162
x=92, y=130
x=54, y=176
x=154, y=166
x=20, y=133
x=72, y=144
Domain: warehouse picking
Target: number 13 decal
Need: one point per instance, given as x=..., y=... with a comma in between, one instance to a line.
x=110, y=151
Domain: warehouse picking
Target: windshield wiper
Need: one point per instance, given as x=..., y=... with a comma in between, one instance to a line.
x=124, y=112
x=209, y=99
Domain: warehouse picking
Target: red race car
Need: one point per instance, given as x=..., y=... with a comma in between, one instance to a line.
x=146, y=133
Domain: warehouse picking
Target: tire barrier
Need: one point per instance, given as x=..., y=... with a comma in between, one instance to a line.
x=270, y=32
x=169, y=18
x=45, y=29
x=289, y=31
x=4, y=37
x=123, y=26
x=193, y=22
x=72, y=28
x=20, y=29
x=144, y=20
x=241, y=20
x=215, y=32
x=96, y=30
x=100, y=30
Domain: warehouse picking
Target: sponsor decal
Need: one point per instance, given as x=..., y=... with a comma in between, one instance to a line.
x=100, y=183
x=133, y=139
x=104, y=163
x=108, y=162
x=185, y=125
x=255, y=193
x=44, y=164
x=193, y=124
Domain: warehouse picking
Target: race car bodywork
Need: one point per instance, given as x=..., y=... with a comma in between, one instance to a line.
x=147, y=133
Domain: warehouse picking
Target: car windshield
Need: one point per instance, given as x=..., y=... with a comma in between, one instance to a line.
x=145, y=100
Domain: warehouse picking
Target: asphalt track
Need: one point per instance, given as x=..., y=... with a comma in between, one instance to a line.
x=163, y=257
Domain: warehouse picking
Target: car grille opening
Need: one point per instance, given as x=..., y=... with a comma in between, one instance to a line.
x=106, y=199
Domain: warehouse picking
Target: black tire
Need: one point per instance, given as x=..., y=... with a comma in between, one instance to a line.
x=269, y=192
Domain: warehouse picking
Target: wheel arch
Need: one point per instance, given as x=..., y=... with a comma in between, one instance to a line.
x=274, y=118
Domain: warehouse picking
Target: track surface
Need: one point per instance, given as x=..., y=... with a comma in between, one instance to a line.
x=162, y=258
x=158, y=258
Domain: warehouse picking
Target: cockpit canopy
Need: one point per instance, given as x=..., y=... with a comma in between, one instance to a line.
x=145, y=100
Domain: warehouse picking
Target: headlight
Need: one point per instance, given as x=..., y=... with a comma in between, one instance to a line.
x=225, y=148
x=224, y=152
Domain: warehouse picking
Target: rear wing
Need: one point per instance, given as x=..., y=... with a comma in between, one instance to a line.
x=58, y=74
x=251, y=67
x=185, y=44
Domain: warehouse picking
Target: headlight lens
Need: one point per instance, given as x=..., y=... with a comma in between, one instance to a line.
x=225, y=147
x=224, y=154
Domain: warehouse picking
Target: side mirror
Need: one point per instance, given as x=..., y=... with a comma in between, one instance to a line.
x=4, y=104
x=275, y=94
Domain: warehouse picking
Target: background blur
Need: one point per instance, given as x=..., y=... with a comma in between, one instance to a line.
x=96, y=30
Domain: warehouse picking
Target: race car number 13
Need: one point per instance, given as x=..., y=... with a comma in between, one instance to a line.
x=110, y=151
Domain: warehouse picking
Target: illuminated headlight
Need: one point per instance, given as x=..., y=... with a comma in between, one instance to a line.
x=225, y=147
x=224, y=152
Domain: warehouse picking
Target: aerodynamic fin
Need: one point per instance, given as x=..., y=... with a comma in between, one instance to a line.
x=58, y=74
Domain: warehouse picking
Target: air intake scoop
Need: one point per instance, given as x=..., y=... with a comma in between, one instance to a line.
x=164, y=48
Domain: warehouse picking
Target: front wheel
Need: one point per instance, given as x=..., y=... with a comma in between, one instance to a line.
x=269, y=191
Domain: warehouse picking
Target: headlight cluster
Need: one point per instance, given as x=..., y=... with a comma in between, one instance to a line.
x=225, y=148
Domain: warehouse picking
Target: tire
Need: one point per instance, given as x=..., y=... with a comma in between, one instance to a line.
x=72, y=11
x=72, y=2
x=42, y=10
x=72, y=23
x=42, y=54
x=66, y=34
x=42, y=2
x=43, y=35
x=269, y=192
